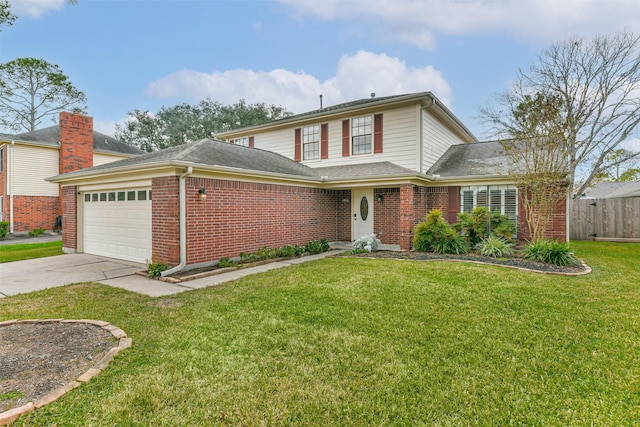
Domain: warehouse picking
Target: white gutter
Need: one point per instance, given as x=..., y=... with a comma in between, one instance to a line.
x=183, y=225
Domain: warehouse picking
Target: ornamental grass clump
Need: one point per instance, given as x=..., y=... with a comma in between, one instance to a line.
x=480, y=223
x=550, y=251
x=494, y=246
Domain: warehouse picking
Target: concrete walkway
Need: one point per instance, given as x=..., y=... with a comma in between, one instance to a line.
x=42, y=273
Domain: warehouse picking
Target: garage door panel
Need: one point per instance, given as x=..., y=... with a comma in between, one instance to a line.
x=118, y=228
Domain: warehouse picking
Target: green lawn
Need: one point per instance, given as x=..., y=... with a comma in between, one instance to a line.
x=363, y=342
x=24, y=251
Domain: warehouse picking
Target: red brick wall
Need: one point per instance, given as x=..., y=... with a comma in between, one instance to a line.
x=3, y=185
x=165, y=205
x=30, y=212
x=437, y=198
x=241, y=217
x=76, y=142
x=407, y=215
x=386, y=213
x=69, y=218
x=343, y=214
x=556, y=229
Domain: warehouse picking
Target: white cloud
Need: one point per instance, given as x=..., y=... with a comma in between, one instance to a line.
x=632, y=144
x=418, y=21
x=356, y=77
x=107, y=126
x=35, y=8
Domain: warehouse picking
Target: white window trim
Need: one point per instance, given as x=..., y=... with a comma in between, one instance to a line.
x=353, y=135
x=305, y=133
x=488, y=188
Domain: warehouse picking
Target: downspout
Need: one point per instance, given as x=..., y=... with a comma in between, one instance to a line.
x=10, y=183
x=183, y=224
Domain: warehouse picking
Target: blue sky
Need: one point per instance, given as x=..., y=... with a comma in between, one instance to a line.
x=143, y=54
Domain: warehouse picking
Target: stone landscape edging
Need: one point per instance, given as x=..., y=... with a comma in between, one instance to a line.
x=587, y=269
x=9, y=416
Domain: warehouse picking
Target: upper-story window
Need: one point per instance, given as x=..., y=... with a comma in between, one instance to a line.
x=361, y=131
x=311, y=142
x=242, y=141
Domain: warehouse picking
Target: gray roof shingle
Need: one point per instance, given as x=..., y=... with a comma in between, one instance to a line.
x=368, y=170
x=604, y=190
x=479, y=159
x=212, y=152
x=101, y=142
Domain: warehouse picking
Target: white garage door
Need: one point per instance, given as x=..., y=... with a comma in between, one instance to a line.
x=117, y=224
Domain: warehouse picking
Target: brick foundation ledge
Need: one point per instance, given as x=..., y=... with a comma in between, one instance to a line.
x=9, y=416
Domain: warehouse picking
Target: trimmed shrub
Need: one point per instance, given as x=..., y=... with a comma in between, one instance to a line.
x=550, y=251
x=313, y=247
x=36, y=232
x=4, y=228
x=226, y=262
x=494, y=246
x=427, y=233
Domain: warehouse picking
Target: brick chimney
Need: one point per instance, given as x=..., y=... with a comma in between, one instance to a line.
x=76, y=142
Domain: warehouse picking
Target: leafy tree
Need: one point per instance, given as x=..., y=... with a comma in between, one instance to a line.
x=624, y=166
x=593, y=86
x=6, y=17
x=538, y=158
x=184, y=123
x=32, y=89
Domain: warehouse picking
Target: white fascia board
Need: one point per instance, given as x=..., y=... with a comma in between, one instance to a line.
x=472, y=180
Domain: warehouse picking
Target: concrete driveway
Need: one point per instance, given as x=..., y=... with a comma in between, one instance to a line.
x=36, y=274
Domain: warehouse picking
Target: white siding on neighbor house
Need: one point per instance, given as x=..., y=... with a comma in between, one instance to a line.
x=101, y=159
x=400, y=136
x=30, y=167
x=436, y=139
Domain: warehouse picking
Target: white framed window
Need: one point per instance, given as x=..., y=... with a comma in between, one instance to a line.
x=497, y=198
x=361, y=135
x=311, y=142
x=244, y=141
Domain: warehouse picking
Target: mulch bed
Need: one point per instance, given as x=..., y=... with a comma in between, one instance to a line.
x=509, y=262
x=36, y=358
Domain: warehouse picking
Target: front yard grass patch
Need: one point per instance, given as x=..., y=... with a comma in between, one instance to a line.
x=19, y=252
x=349, y=341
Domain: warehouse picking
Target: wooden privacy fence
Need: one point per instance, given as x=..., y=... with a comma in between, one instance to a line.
x=606, y=219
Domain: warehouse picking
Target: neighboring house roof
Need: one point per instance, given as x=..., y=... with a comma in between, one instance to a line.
x=427, y=99
x=606, y=190
x=101, y=142
x=480, y=159
x=211, y=153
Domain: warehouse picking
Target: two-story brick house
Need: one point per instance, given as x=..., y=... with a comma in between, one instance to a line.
x=376, y=165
